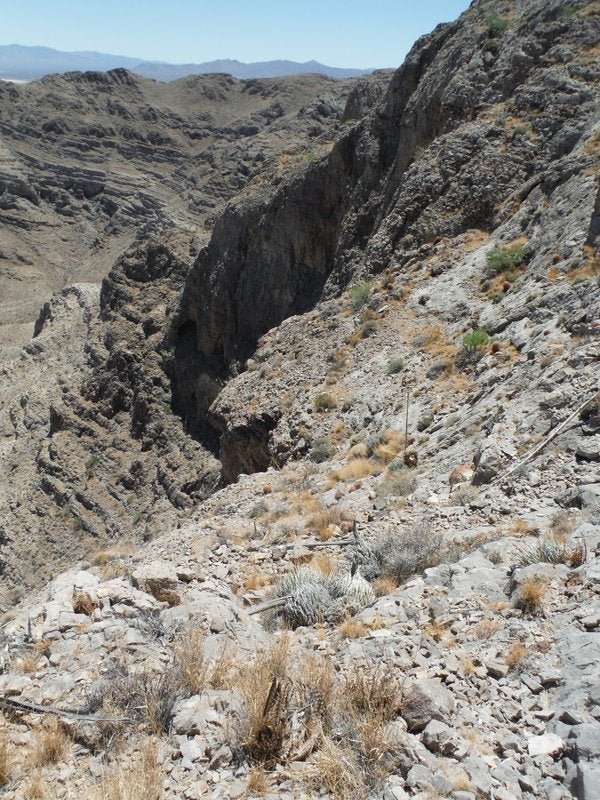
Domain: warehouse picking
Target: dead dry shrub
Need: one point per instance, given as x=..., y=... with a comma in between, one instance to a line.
x=83, y=603
x=562, y=525
x=136, y=776
x=357, y=468
x=336, y=768
x=530, y=595
x=390, y=443
x=515, y=655
x=6, y=766
x=145, y=697
x=50, y=744
x=322, y=522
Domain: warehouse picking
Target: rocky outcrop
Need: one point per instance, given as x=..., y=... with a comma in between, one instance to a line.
x=474, y=131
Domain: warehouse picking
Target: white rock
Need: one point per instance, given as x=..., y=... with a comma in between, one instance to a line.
x=549, y=744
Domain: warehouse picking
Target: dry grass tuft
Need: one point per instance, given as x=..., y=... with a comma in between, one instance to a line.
x=485, y=628
x=50, y=745
x=258, y=783
x=390, y=444
x=359, y=450
x=5, y=759
x=515, y=655
x=530, y=595
x=563, y=524
x=520, y=527
x=384, y=585
x=196, y=671
x=322, y=522
x=256, y=581
x=337, y=770
x=83, y=604
x=354, y=628
x=136, y=777
x=357, y=468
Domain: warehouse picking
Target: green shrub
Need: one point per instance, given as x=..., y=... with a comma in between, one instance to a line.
x=359, y=294
x=495, y=24
x=475, y=339
x=395, y=365
x=505, y=258
x=568, y=10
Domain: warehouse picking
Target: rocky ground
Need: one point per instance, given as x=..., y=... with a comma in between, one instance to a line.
x=330, y=496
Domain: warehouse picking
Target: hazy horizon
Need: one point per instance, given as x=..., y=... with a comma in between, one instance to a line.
x=351, y=34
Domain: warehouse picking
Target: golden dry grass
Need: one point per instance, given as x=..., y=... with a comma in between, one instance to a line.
x=6, y=766
x=359, y=450
x=257, y=782
x=515, y=655
x=384, y=585
x=133, y=777
x=520, y=527
x=357, y=468
x=256, y=580
x=531, y=595
x=195, y=670
x=354, y=628
x=51, y=743
x=486, y=628
x=391, y=443
x=322, y=522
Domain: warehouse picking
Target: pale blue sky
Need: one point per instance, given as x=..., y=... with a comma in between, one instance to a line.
x=345, y=33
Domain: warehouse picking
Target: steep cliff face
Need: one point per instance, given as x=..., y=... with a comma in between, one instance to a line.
x=476, y=120
x=91, y=452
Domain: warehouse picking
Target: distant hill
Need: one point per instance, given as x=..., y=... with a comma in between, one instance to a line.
x=29, y=63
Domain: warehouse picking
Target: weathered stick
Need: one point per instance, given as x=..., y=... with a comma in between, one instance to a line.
x=553, y=434
x=275, y=602
x=24, y=707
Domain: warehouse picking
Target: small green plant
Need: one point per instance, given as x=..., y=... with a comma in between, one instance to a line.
x=359, y=294
x=324, y=401
x=495, y=24
x=475, y=339
x=139, y=516
x=91, y=462
x=395, y=365
x=505, y=258
x=568, y=10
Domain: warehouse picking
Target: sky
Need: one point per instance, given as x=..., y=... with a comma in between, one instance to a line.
x=340, y=33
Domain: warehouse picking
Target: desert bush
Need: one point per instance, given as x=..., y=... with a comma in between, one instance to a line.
x=406, y=554
x=359, y=294
x=549, y=551
x=475, y=339
x=500, y=259
x=495, y=24
x=395, y=365
x=368, y=328
x=465, y=494
x=398, y=484
x=321, y=450
x=325, y=401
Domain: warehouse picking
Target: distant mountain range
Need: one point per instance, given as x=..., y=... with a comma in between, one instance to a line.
x=18, y=62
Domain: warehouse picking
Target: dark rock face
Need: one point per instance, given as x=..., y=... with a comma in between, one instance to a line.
x=445, y=150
